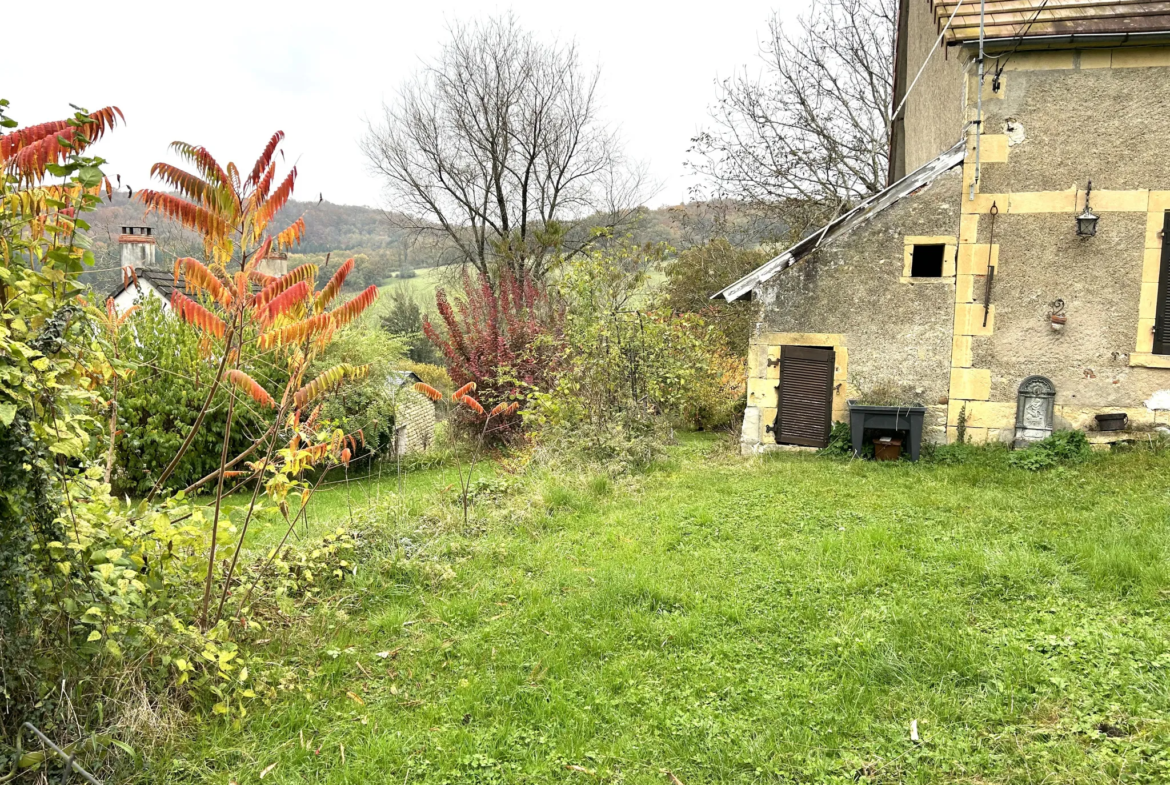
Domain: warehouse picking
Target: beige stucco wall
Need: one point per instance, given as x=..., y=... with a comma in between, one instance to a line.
x=1059, y=120
x=853, y=294
x=932, y=120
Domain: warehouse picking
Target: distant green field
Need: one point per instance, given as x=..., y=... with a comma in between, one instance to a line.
x=428, y=280
x=423, y=285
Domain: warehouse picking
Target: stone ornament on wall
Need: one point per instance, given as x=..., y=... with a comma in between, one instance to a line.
x=1034, y=410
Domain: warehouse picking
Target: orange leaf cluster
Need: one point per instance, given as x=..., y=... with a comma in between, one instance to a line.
x=195, y=314
x=263, y=163
x=423, y=388
x=286, y=300
x=271, y=206
x=464, y=390
x=292, y=235
x=261, y=279
x=334, y=286
x=251, y=387
x=320, y=324
x=345, y=314
x=472, y=404
x=305, y=272
x=192, y=216
x=198, y=278
x=28, y=151
x=505, y=409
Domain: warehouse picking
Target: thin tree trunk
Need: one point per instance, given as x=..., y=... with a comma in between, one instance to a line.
x=227, y=436
x=113, y=431
x=167, y=472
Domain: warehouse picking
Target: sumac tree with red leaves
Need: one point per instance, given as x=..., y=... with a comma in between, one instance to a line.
x=505, y=338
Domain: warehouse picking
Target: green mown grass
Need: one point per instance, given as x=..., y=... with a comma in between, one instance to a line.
x=731, y=620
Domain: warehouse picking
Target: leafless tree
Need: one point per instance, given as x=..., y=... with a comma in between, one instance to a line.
x=811, y=134
x=499, y=146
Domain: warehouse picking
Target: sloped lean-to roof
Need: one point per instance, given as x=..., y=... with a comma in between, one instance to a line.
x=856, y=217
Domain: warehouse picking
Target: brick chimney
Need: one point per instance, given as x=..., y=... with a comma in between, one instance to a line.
x=137, y=243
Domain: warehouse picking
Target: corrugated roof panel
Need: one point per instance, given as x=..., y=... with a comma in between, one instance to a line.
x=1010, y=19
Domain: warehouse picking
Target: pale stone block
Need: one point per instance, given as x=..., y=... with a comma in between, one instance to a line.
x=1144, y=343
x=1159, y=201
x=771, y=363
x=751, y=426
x=984, y=414
x=767, y=418
x=1151, y=265
x=801, y=339
x=1154, y=224
x=982, y=202
x=968, y=228
x=993, y=148
x=1149, y=360
x=965, y=289
x=969, y=319
x=1145, y=57
x=1039, y=61
x=970, y=384
x=961, y=351
x=1119, y=201
x=975, y=435
x=1148, y=304
x=973, y=258
x=1043, y=201
x=761, y=392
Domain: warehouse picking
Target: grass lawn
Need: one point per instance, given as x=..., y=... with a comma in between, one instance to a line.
x=783, y=620
x=423, y=284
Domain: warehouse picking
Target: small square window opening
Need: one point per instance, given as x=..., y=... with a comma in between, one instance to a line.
x=927, y=261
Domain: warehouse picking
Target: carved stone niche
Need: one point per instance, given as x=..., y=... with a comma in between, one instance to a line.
x=1034, y=410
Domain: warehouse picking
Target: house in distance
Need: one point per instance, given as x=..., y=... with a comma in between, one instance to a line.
x=1021, y=235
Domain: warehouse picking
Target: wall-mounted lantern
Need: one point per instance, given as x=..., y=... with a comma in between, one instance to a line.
x=1087, y=221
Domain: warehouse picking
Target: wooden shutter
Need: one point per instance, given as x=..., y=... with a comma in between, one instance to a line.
x=805, y=396
x=1162, y=310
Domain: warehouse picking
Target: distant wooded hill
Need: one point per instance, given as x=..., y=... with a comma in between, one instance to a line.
x=382, y=249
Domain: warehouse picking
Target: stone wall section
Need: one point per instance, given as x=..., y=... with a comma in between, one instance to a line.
x=1057, y=120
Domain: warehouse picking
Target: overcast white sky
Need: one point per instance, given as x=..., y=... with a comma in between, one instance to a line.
x=228, y=74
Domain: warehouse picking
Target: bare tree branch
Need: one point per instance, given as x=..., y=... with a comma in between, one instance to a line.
x=814, y=131
x=499, y=146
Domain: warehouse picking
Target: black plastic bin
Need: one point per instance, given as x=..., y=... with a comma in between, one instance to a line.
x=886, y=418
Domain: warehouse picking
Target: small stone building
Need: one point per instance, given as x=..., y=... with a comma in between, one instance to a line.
x=414, y=413
x=1022, y=234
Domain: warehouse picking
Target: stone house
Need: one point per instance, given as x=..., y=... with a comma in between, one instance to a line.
x=971, y=272
x=414, y=413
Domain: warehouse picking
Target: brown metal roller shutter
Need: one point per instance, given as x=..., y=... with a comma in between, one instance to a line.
x=1162, y=310
x=805, y=396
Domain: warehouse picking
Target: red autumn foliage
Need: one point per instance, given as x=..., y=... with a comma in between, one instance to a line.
x=505, y=339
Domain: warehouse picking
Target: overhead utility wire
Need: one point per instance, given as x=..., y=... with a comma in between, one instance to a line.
x=994, y=80
x=979, y=102
x=938, y=41
x=1019, y=40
